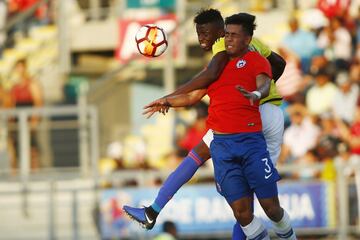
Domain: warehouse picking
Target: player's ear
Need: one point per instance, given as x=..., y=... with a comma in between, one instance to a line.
x=248, y=39
x=221, y=32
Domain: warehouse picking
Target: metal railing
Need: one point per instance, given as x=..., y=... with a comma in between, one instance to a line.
x=87, y=125
x=79, y=195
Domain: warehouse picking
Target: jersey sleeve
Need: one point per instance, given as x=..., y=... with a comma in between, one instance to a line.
x=260, y=47
x=218, y=46
x=262, y=66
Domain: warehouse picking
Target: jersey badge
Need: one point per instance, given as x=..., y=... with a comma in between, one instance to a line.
x=241, y=63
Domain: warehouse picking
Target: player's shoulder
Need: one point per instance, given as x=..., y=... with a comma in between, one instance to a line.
x=260, y=47
x=220, y=39
x=218, y=46
x=255, y=55
x=256, y=59
x=219, y=43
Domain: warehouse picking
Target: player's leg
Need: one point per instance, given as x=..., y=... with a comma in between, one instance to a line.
x=262, y=177
x=272, y=119
x=247, y=221
x=238, y=233
x=182, y=174
x=279, y=217
x=232, y=184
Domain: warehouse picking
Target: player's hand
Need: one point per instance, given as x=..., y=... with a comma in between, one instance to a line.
x=249, y=95
x=160, y=105
x=151, y=110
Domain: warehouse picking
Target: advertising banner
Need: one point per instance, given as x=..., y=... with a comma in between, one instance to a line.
x=201, y=210
x=128, y=29
x=167, y=4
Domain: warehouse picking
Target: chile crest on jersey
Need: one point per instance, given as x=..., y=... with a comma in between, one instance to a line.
x=241, y=63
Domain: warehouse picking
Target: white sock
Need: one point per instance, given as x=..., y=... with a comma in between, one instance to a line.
x=256, y=230
x=283, y=228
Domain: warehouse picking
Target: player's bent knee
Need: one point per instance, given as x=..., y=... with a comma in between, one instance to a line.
x=242, y=210
x=274, y=212
x=202, y=150
x=244, y=217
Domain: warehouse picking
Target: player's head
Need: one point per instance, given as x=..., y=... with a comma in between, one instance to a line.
x=293, y=24
x=209, y=27
x=170, y=227
x=239, y=29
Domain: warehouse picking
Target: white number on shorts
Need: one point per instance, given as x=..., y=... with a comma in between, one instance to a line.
x=267, y=166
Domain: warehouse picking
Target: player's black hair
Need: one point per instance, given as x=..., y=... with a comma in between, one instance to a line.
x=169, y=226
x=210, y=15
x=246, y=20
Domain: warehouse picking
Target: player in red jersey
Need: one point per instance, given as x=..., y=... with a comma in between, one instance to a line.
x=210, y=27
x=241, y=162
x=238, y=150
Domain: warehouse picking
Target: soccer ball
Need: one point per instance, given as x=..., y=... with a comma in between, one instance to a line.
x=151, y=41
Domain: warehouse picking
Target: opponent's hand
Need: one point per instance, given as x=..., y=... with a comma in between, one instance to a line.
x=249, y=95
x=160, y=105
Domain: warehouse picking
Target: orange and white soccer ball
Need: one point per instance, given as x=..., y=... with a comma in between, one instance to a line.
x=151, y=40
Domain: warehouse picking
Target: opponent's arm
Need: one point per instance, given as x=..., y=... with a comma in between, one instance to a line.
x=205, y=77
x=163, y=104
x=277, y=65
x=263, y=83
x=276, y=61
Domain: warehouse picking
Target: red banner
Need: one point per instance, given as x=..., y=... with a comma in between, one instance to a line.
x=128, y=28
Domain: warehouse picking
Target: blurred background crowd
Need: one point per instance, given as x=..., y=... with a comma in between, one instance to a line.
x=320, y=86
x=320, y=42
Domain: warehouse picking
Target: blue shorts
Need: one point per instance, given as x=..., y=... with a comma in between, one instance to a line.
x=242, y=165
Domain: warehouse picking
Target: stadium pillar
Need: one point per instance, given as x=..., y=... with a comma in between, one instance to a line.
x=94, y=9
x=94, y=143
x=169, y=81
x=357, y=185
x=83, y=131
x=64, y=38
x=24, y=150
x=343, y=204
x=51, y=211
x=181, y=16
x=24, y=153
x=75, y=223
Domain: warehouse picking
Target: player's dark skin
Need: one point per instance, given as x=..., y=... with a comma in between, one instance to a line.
x=242, y=208
x=196, y=89
x=207, y=35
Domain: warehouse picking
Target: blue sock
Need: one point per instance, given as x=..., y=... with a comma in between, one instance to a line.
x=176, y=179
x=238, y=233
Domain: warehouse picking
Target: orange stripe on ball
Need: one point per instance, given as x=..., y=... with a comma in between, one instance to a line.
x=149, y=48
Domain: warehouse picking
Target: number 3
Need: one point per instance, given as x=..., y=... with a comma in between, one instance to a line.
x=267, y=166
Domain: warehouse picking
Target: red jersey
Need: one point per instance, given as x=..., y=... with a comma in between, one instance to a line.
x=21, y=93
x=192, y=137
x=229, y=110
x=355, y=132
x=23, y=5
x=333, y=8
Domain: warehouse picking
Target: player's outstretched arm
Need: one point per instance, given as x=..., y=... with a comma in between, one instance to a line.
x=163, y=104
x=277, y=65
x=207, y=76
x=263, y=83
